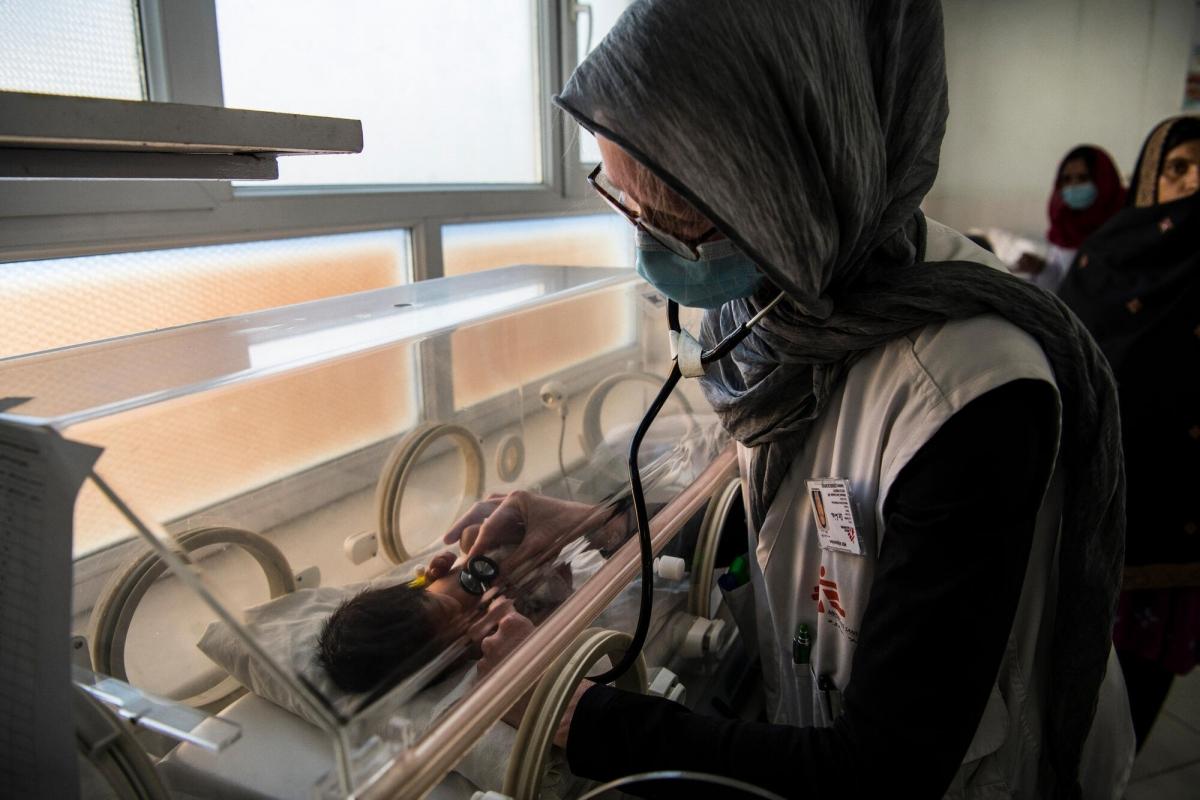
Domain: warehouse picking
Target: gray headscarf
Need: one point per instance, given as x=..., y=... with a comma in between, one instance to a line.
x=808, y=132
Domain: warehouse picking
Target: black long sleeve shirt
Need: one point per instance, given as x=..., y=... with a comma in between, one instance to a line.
x=959, y=524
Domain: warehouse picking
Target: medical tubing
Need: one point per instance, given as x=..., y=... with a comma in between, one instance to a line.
x=643, y=526
x=562, y=467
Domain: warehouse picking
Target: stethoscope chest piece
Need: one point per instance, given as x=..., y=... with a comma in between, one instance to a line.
x=478, y=575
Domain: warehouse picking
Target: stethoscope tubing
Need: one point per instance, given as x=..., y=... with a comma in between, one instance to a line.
x=722, y=349
x=726, y=345
x=643, y=527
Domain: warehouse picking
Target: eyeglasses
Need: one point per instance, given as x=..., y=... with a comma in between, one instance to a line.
x=684, y=248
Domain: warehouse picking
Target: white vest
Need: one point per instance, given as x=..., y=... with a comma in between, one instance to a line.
x=891, y=403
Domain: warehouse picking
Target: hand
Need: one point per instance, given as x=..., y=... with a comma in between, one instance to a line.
x=439, y=566
x=564, y=724
x=509, y=631
x=539, y=526
x=1030, y=263
x=465, y=529
x=515, y=714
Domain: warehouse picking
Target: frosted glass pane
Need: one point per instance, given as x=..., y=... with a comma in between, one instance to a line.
x=603, y=240
x=263, y=432
x=447, y=91
x=483, y=365
x=604, y=16
x=90, y=48
x=489, y=359
x=67, y=301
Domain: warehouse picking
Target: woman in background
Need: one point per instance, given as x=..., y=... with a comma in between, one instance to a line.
x=1136, y=285
x=1087, y=193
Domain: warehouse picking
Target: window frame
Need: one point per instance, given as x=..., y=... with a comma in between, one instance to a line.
x=56, y=219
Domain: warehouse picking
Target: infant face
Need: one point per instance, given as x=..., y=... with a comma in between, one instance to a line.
x=444, y=608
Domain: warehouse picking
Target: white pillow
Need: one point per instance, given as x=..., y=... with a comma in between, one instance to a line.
x=287, y=628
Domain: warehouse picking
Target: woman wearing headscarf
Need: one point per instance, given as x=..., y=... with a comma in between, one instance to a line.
x=1087, y=192
x=1136, y=285
x=960, y=423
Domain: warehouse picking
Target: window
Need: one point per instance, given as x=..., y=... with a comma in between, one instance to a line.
x=447, y=92
x=483, y=366
x=603, y=240
x=262, y=433
x=465, y=165
x=484, y=363
x=90, y=48
x=72, y=300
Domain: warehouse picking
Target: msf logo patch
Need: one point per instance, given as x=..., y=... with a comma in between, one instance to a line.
x=826, y=591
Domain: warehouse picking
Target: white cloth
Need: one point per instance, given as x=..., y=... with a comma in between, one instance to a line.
x=892, y=402
x=1010, y=247
x=1058, y=261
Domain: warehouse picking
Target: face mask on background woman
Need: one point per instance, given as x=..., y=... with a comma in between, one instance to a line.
x=1079, y=196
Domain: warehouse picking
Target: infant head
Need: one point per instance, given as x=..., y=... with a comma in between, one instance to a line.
x=383, y=633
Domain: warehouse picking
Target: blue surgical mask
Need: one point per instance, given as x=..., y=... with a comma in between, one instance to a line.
x=723, y=272
x=1080, y=196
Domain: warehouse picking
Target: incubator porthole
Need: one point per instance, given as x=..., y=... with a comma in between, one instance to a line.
x=510, y=458
x=724, y=510
x=432, y=476
x=551, y=696
x=637, y=390
x=146, y=578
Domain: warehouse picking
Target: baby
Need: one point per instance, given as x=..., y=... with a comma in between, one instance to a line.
x=390, y=632
x=384, y=635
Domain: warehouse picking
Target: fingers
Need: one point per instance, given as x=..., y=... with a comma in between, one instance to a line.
x=440, y=566
x=469, y=535
x=487, y=624
x=475, y=515
x=505, y=525
x=515, y=626
x=511, y=631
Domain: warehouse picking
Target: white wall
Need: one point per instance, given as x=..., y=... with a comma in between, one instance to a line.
x=1030, y=79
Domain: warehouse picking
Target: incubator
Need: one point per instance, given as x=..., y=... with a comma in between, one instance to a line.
x=226, y=486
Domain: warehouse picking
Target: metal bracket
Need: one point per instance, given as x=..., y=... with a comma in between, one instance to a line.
x=158, y=714
x=80, y=654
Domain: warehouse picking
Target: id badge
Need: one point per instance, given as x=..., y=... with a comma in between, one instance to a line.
x=833, y=513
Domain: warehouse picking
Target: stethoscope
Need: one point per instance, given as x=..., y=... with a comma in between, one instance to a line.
x=688, y=359
x=478, y=575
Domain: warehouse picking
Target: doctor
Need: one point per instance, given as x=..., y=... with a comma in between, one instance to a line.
x=958, y=426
